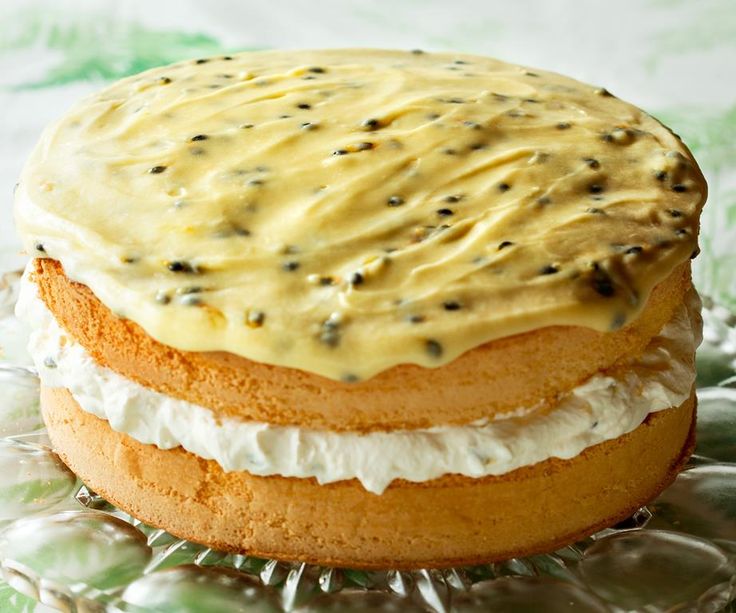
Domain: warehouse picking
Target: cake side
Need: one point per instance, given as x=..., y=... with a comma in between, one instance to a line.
x=530, y=369
x=606, y=406
x=452, y=521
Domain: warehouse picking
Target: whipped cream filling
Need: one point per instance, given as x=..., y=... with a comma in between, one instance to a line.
x=602, y=408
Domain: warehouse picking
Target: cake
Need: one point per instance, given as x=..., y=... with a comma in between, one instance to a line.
x=376, y=309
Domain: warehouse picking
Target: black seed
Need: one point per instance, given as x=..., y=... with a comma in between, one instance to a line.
x=304, y=106
x=129, y=260
x=595, y=188
x=695, y=253
x=350, y=378
x=307, y=125
x=371, y=124
x=607, y=137
x=563, y=125
x=40, y=247
x=682, y=232
x=619, y=319
x=602, y=283
x=395, y=201
x=364, y=146
x=326, y=280
x=317, y=69
x=157, y=170
x=255, y=182
x=543, y=200
x=477, y=146
x=192, y=289
x=199, y=137
x=330, y=337
x=455, y=101
x=531, y=74
x=417, y=51
x=602, y=91
x=245, y=126
x=290, y=266
x=592, y=163
x=227, y=58
x=162, y=298
x=164, y=80
x=433, y=348
x=453, y=199
x=445, y=212
x=460, y=62
x=550, y=269
x=504, y=244
x=284, y=116
x=255, y=319
x=451, y=305
x=679, y=187
x=634, y=250
x=504, y=187
x=356, y=278
x=449, y=151
x=202, y=61
x=180, y=266
x=340, y=152
x=416, y=319
x=191, y=300
x=660, y=175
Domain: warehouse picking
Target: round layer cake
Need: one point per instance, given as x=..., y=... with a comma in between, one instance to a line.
x=364, y=308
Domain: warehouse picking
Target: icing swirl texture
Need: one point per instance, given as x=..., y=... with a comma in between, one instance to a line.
x=346, y=211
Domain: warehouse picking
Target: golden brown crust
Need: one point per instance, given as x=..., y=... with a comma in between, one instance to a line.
x=494, y=378
x=452, y=520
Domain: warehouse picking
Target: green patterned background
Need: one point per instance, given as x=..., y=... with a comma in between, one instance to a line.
x=674, y=58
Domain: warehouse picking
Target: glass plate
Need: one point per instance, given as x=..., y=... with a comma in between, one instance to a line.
x=64, y=548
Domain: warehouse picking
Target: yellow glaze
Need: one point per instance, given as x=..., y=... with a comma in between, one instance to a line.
x=345, y=211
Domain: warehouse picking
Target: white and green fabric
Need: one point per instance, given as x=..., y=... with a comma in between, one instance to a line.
x=674, y=58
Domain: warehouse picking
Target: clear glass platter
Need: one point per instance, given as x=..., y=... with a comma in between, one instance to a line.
x=64, y=548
